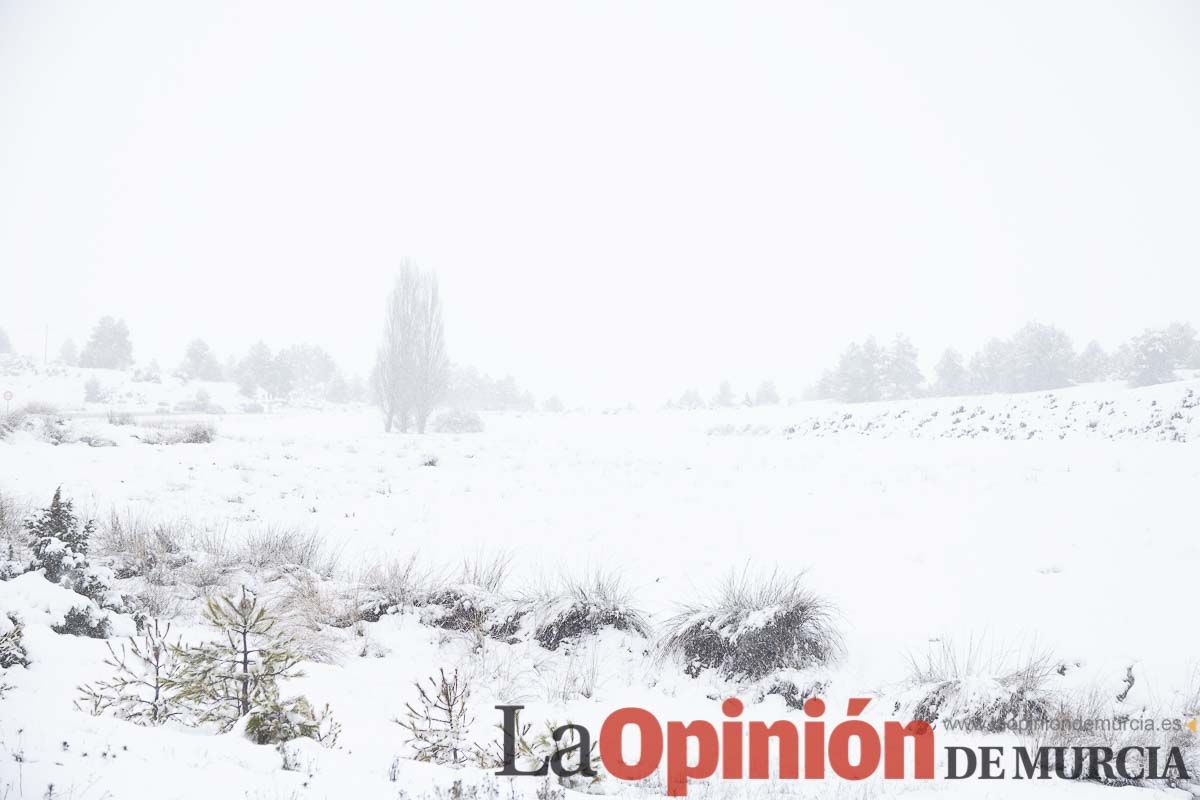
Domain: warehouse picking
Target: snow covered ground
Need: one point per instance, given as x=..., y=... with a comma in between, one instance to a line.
x=1067, y=527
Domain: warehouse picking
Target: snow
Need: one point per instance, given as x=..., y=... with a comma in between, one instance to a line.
x=1079, y=540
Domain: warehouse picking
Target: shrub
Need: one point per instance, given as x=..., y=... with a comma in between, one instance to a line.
x=392, y=585
x=93, y=392
x=1087, y=721
x=12, y=651
x=583, y=607
x=81, y=621
x=139, y=690
x=468, y=601
x=438, y=726
x=456, y=421
x=59, y=542
x=981, y=689
x=278, y=547
x=224, y=680
x=198, y=433
x=40, y=408
x=277, y=720
x=140, y=547
x=753, y=628
x=120, y=418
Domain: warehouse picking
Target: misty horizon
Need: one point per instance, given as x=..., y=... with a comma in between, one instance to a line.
x=606, y=224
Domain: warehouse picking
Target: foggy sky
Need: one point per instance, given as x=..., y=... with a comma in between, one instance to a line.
x=622, y=200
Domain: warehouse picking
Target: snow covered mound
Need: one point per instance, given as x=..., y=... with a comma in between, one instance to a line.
x=1169, y=413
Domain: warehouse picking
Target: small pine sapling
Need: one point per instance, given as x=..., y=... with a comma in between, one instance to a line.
x=58, y=541
x=223, y=681
x=438, y=729
x=140, y=690
x=277, y=720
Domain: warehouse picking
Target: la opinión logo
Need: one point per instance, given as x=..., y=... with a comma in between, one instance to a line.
x=735, y=750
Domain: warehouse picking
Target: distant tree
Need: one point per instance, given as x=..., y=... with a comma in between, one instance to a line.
x=1093, y=364
x=278, y=381
x=724, y=396
x=412, y=371
x=901, y=375
x=952, y=376
x=109, y=346
x=553, y=405
x=859, y=376
x=69, y=353
x=691, y=400
x=1182, y=345
x=826, y=388
x=991, y=368
x=766, y=395
x=312, y=369
x=5, y=343
x=1042, y=358
x=199, y=362
x=253, y=371
x=1150, y=359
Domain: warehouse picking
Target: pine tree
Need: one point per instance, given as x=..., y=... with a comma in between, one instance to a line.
x=1150, y=360
x=58, y=541
x=438, y=728
x=767, y=395
x=724, y=396
x=109, y=346
x=952, y=376
x=223, y=681
x=902, y=376
x=1093, y=364
x=140, y=691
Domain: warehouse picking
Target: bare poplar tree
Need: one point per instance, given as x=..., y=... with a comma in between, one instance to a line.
x=411, y=369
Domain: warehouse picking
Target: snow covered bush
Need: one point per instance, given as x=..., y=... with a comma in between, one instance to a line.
x=469, y=600
x=582, y=607
x=1076, y=720
x=754, y=627
x=12, y=652
x=141, y=548
x=84, y=621
x=93, y=392
x=980, y=689
x=58, y=540
x=198, y=433
x=139, y=691
x=224, y=680
x=456, y=421
x=277, y=720
x=438, y=725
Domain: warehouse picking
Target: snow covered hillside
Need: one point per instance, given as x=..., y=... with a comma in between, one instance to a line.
x=1037, y=536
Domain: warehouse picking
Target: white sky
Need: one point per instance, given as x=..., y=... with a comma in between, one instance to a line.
x=622, y=200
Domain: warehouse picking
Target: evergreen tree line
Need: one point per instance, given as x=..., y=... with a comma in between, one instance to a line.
x=1037, y=357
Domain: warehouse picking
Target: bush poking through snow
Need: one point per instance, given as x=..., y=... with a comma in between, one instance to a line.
x=438, y=725
x=1082, y=723
x=224, y=680
x=139, y=691
x=277, y=720
x=582, y=607
x=82, y=621
x=468, y=601
x=455, y=421
x=197, y=433
x=753, y=628
x=281, y=547
x=58, y=540
x=980, y=689
x=393, y=585
x=12, y=652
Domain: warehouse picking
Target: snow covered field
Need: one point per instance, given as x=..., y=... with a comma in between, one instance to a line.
x=1076, y=545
